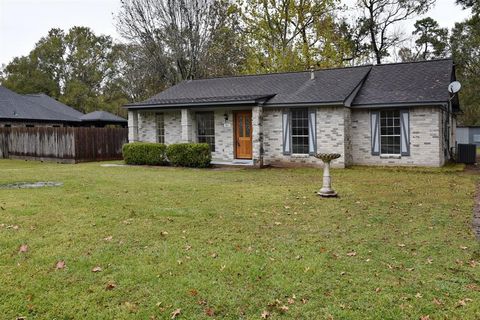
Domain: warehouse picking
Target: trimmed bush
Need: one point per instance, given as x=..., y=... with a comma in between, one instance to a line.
x=144, y=153
x=195, y=155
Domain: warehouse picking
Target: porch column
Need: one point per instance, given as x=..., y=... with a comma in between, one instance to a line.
x=187, y=129
x=132, y=126
x=257, y=136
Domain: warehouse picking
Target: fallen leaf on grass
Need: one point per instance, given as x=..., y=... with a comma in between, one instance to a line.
x=352, y=254
x=109, y=238
x=193, y=292
x=176, y=313
x=463, y=302
x=214, y=255
x=97, y=269
x=463, y=247
x=23, y=248
x=418, y=295
x=60, y=265
x=437, y=302
x=283, y=308
x=290, y=301
x=265, y=314
x=110, y=286
x=427, y=317
x=209, y=312
x=377, y=290
x=401, y=245
x=163, y=233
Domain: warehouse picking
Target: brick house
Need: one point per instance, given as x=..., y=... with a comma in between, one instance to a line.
x=391, y=114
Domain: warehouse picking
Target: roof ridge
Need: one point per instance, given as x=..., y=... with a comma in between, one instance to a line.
x=321, y=69
x=274, y=73
x=411, y=62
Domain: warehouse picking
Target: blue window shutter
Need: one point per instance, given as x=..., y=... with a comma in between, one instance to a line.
x=404, y=133
x=287, y=133
x=312, y=131
x=375, y=132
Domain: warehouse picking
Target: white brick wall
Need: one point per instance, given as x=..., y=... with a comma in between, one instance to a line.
x=173, y=126
x=340, y=130
x=425, y=139
x=223, y=136
x=330, y=137
x=147, y=126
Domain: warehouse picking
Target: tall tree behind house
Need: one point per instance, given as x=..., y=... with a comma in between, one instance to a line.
x=379, y=18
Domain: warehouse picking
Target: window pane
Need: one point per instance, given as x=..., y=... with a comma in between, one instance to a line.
x=300, y=131
x=247, y=127
x=240, y=125
x=390, y=132
x=160, y=128
x=206, y=128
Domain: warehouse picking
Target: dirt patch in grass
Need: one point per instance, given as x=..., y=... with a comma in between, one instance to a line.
x=30, y=185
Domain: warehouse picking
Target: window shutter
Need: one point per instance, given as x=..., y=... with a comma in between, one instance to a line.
x=287, y=133
x=312, y=131
x=404, y=133
x=375, y=131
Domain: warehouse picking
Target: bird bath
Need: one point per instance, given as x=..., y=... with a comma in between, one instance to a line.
x=327, y=190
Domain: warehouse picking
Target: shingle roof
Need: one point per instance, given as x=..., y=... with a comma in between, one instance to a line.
x=388, y=84
x=40, y=107
x=102, y=116
x=404, y=83
x=16, y=106
x=53, y=105
x=329, y=86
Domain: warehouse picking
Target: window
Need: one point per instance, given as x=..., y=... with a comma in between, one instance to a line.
x=160, y=128
x=8, y=125
x=206, y=128
x=390, y=132
x=300, y=131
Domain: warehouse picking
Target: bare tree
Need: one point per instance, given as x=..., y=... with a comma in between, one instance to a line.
x=175, y=35
x=379, y=18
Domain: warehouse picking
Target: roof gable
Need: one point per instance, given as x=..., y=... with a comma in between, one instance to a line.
x=406, y=83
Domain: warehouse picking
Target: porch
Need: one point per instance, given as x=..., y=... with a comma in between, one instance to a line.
x=234, y=133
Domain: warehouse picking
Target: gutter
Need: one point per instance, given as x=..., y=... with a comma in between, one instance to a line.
x=400, y=104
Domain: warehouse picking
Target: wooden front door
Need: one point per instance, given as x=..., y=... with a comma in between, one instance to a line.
x=243, y=135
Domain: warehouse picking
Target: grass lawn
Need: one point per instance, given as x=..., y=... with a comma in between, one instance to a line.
x=233, y=244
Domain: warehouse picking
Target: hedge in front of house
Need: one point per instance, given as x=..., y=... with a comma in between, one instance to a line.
x=195, y=155
x=142, y=153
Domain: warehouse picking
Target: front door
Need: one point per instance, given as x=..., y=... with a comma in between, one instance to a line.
x=243, y=134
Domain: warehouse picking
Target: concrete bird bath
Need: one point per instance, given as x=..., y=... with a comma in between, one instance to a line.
x=327, y=190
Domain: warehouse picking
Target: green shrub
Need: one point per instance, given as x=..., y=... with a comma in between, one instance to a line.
x=144, y=153
x=195, y=155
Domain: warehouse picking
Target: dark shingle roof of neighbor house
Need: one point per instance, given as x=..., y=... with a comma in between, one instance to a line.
x=16, y=106
x=389, y=84
x=53, y=105
x=40, y=107
x=101, y=116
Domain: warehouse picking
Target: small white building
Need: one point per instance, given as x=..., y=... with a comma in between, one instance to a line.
x=391, y=114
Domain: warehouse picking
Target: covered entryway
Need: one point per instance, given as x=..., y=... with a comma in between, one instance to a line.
x=243, y=134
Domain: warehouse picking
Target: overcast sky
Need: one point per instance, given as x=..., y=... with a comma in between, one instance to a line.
x=24, y=22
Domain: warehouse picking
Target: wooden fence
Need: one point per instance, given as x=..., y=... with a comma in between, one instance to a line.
x=63, y=144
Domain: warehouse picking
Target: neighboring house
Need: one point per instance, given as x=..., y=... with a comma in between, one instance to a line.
x=39, y=110
x=468, y=135
x=392, y=114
